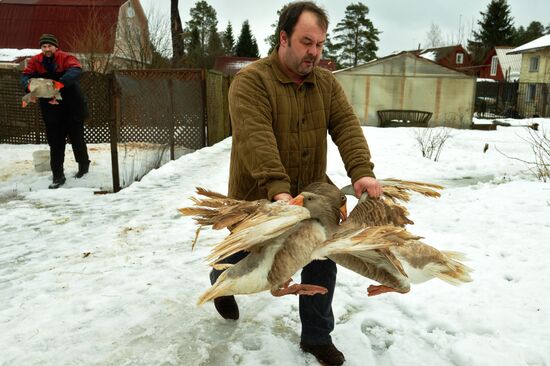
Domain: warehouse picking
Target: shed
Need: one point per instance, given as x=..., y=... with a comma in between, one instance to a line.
x=407, y=82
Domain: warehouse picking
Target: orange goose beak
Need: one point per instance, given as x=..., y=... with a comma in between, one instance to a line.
x=343, y=212
x=297, y=201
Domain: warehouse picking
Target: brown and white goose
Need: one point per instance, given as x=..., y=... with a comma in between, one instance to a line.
x=282, y=238
x=396, y=267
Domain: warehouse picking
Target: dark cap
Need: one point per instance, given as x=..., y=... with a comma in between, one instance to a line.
x=48, y=38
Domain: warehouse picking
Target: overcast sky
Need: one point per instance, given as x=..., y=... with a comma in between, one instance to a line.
x=403, y=23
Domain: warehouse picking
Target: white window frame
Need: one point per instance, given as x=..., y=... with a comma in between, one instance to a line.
x=459, y=60
x=494, y=65
x=534, y=63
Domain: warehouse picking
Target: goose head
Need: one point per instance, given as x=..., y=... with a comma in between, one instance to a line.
x=324, y=202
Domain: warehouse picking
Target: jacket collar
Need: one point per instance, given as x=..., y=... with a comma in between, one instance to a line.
x=281, y=76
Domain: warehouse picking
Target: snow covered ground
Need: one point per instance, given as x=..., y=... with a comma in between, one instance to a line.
x=90, y=279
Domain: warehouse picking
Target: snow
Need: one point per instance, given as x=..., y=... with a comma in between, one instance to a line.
x=10, y=54
x=486, y=80
x=110, y=279
x=541, y=42
x=430, y=55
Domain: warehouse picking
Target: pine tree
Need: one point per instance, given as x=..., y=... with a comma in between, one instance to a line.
x=228, y=40
x=534, y=30
x=195, y=56
x=496, y=29
x=246, y=45
x=201, y=26
x=273, y=40
x=215, y=48
x=355, y=36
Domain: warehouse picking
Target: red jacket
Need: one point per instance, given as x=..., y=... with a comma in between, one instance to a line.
x=62, y=61
x=62, y=67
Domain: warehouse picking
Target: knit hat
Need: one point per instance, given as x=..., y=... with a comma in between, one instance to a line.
x=48, y=38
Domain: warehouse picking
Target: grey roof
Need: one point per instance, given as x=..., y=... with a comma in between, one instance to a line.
x=510, y=64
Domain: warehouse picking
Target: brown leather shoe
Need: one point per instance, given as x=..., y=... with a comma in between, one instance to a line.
x=326, y=354
x=227, y=307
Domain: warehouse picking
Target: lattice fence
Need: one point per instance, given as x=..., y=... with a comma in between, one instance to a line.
x=162, y=106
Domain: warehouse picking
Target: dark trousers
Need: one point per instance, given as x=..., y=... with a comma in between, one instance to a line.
x=60, y=124
x=315, y=311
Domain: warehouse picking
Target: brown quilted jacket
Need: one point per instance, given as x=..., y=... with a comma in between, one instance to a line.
x=280, y=131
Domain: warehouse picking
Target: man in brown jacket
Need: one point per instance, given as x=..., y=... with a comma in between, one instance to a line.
x=281, y=109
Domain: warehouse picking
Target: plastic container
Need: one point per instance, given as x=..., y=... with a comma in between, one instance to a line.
x=41, y=160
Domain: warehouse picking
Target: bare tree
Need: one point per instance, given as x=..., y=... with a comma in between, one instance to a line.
x=178, y=51
x=133, y=44
x=434, y=37
x=431, y=141
x=136, y=41
x=539, y=141
x=93, y=44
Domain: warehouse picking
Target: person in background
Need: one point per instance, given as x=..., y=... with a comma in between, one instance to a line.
x=64, y=117
x=281, y=109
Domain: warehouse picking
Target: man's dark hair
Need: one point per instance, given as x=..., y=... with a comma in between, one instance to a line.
x=292, y=11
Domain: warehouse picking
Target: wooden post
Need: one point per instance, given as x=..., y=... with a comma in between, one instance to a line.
x=172, y=120
x=114, y=128
x=205, y=141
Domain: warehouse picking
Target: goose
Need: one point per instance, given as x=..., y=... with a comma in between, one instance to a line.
x=282, y=237
x=42, y=88
x=413, y=261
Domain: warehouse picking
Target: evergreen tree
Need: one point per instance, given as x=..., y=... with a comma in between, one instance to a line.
x=195, y=56
x=355, y=36
x=215, y=48
x=534, y=30
x=246, y=45
x=496, y=29
x=273, y=40
x=328, y=49
x=228, y=40
x=203, y=24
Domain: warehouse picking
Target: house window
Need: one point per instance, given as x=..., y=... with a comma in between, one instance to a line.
x=531, y=92
x=534, y=64
x=459, y=58
x=494, y=64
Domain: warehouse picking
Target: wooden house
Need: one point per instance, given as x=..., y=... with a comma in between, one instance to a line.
x=535, y=73
x=454, y=57
x=501, y=66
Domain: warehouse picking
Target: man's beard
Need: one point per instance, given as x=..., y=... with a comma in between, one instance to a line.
x=305, y=70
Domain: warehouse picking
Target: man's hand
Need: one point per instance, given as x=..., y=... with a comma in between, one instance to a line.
x=282, y=197
x=57, y=85
x=369, y=185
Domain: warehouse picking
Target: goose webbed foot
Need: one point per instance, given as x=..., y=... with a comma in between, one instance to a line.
x=298, y=289
x=374, y=290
